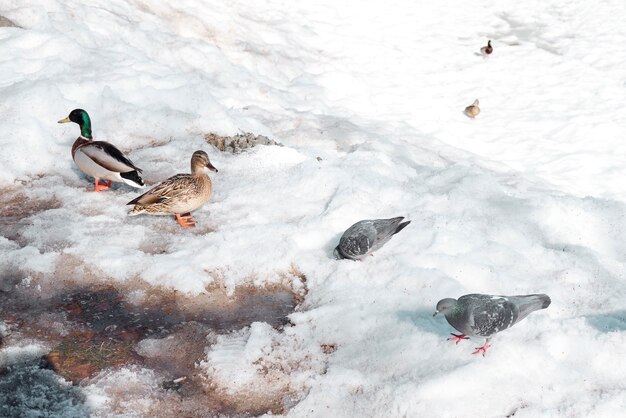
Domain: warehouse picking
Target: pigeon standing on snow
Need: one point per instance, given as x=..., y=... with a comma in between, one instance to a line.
x=365, y=237
x=478, y=315
x=486, y=50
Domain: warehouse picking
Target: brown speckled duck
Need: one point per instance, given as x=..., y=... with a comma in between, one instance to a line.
x=99, y=159
x=486, y=50
x=472, y=110
x=180, y=194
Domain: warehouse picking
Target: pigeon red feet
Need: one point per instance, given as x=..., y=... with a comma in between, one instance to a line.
x=185, y=220
x=482, y=349
x=458, y=337
x=105, y=185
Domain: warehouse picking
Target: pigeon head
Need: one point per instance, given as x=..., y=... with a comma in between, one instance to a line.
x=445, y=306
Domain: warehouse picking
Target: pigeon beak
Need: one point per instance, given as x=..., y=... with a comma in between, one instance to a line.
x=66, y=120
x=436, y=312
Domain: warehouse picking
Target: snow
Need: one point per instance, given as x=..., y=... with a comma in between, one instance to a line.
x=261, y=363
x=527, y=198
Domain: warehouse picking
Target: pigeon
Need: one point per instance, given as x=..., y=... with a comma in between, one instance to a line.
x=486, y=50
x=473, y=110
x=365, y=237
x=478, y=315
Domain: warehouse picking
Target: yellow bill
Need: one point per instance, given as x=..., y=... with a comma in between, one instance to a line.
x=66, y=120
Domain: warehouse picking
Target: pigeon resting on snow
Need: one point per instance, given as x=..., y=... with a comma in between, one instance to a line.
x=483, y=315
x=365, y=237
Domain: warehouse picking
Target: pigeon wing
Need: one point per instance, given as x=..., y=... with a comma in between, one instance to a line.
x=385, y=229
x=490, y=315
x=358, y=240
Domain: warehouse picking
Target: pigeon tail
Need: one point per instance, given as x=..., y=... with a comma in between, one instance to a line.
x=530, y=303
x=401, y=226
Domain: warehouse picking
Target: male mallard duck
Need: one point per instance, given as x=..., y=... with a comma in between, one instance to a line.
x=100, y=159
x=472, y=110
x=486, y=50
x=180, y=194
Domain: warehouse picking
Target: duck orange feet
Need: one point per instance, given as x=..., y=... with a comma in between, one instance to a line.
x=185, y=220
x=105, y=185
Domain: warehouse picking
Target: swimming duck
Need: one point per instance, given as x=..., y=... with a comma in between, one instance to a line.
x=472, y=110
x=99, y=159
x=486, y=50
x=180, y=194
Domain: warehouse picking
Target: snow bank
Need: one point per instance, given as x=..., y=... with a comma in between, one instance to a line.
x=367, y=100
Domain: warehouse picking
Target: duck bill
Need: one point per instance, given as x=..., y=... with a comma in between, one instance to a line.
x=211, y=168
x=436, y=312
x=65, y=120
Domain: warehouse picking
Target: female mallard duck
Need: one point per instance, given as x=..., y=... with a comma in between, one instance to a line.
x=180, y=194
x=100, y=159
x=472, y=110
x=486, y=50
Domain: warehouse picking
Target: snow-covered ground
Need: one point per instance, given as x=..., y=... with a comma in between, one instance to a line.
x=367, y=99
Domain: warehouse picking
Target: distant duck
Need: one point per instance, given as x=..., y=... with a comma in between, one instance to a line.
x=178, y=195
x=472, y=110
x=486, y=50
x=99, y=159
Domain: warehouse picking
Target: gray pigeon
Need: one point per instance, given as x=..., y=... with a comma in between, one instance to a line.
x=478, y=315
x=365, y=237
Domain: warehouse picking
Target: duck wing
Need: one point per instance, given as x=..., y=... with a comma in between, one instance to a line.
x=175, y=187
x=108, y=156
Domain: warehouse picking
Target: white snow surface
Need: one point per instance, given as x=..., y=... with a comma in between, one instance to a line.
x=527, y=198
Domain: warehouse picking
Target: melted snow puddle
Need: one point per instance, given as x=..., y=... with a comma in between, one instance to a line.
x=135, y=346
x=95, y=332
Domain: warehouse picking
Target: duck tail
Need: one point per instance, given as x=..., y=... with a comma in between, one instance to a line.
x=137, y=210
x=132, y=178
